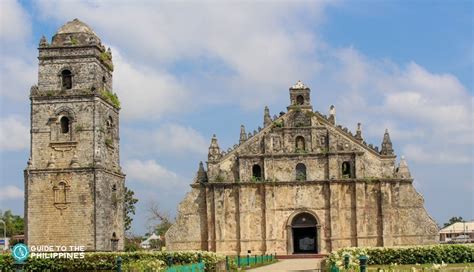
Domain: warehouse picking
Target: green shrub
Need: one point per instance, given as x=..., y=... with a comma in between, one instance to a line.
x=112, y=98
x=106, y=59
x=144, y=265
x=406, y=255
x=278, y=124
x=107, y=261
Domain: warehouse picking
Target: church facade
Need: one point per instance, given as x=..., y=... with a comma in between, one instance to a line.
x=301, y=184
x=74, y=184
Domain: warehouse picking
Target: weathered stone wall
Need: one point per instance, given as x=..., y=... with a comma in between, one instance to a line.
x=257, y=217
x=84, y=64
x=109, y=210
x=60, y=224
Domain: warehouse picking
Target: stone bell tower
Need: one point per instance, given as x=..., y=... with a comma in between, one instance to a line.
x=74, y=186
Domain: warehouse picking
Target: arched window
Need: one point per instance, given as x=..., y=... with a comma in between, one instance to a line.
x=66, y=78
x=300, y=144
x=256, y=172
x=110, y=122
x=64, y=124
x=300, y=172
x=346, y=170
x=114, y=242
x=60, y=193
x=299, y=100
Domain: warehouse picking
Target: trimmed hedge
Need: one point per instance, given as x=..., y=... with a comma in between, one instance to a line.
x=95, y=261
x=406, y=255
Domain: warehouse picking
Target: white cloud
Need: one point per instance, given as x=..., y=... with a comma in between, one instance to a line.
x=11, y=192
x=170, y=139
x=145, y=93
x=17, y=76
x=429, y=115
x=258, y=47
x=14, y=134
x=149, y=172
x=17, y=58
x=421, y=154
x=12, y=22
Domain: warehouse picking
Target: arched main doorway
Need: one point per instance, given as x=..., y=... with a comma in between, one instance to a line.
x=304, y=233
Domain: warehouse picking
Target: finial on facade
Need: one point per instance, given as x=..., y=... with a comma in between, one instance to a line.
x=109, y=52
x=358, y=135
x=43, y=42
x=267, y=120
x=214, y=150
x=201, y=174
x=29, y=162
x=332, y=114
x=387, y=148
x=34, y=89
x=299, y=86
x=402, y=169
x=243, y=135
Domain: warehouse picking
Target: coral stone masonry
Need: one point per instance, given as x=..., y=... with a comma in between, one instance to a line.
x=301, y=184
x=73, y=182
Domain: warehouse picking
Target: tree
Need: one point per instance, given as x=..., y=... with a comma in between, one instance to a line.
x=129, y=207
x=453, y=220
x=159, y=220
x=15, y=225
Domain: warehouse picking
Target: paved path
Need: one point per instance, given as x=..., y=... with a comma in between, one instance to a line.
x=300, y=265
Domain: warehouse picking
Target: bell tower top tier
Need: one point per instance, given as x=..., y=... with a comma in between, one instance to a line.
x=74, y=63
x=300, y=96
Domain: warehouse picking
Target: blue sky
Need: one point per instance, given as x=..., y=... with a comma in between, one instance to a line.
x=185, y=71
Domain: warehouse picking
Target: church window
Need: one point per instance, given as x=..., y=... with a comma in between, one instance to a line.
x=65, y=124
x=300, y=172
x=256, y=172
x=299, y=100
x=300, y=144
x=346, y=170
x=114, y=242
x=60, y=193
x=110, y=122
x=66, y=78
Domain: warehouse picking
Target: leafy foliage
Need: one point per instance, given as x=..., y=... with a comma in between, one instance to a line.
x=278, y=124
x=14, y=224
x=106, y=59
x=453, y=220
x=129, y=207
x=134, y=261
x=406, y=255
x=112, y=98
x=144, y=265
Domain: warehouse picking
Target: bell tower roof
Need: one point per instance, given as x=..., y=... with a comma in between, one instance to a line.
x=75, y=26
x=75, y=32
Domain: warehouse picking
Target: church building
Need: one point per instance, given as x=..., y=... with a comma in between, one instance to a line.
x=301, y=184
x=74, y=184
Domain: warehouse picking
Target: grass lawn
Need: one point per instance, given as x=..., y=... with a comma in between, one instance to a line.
x=422, y=267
